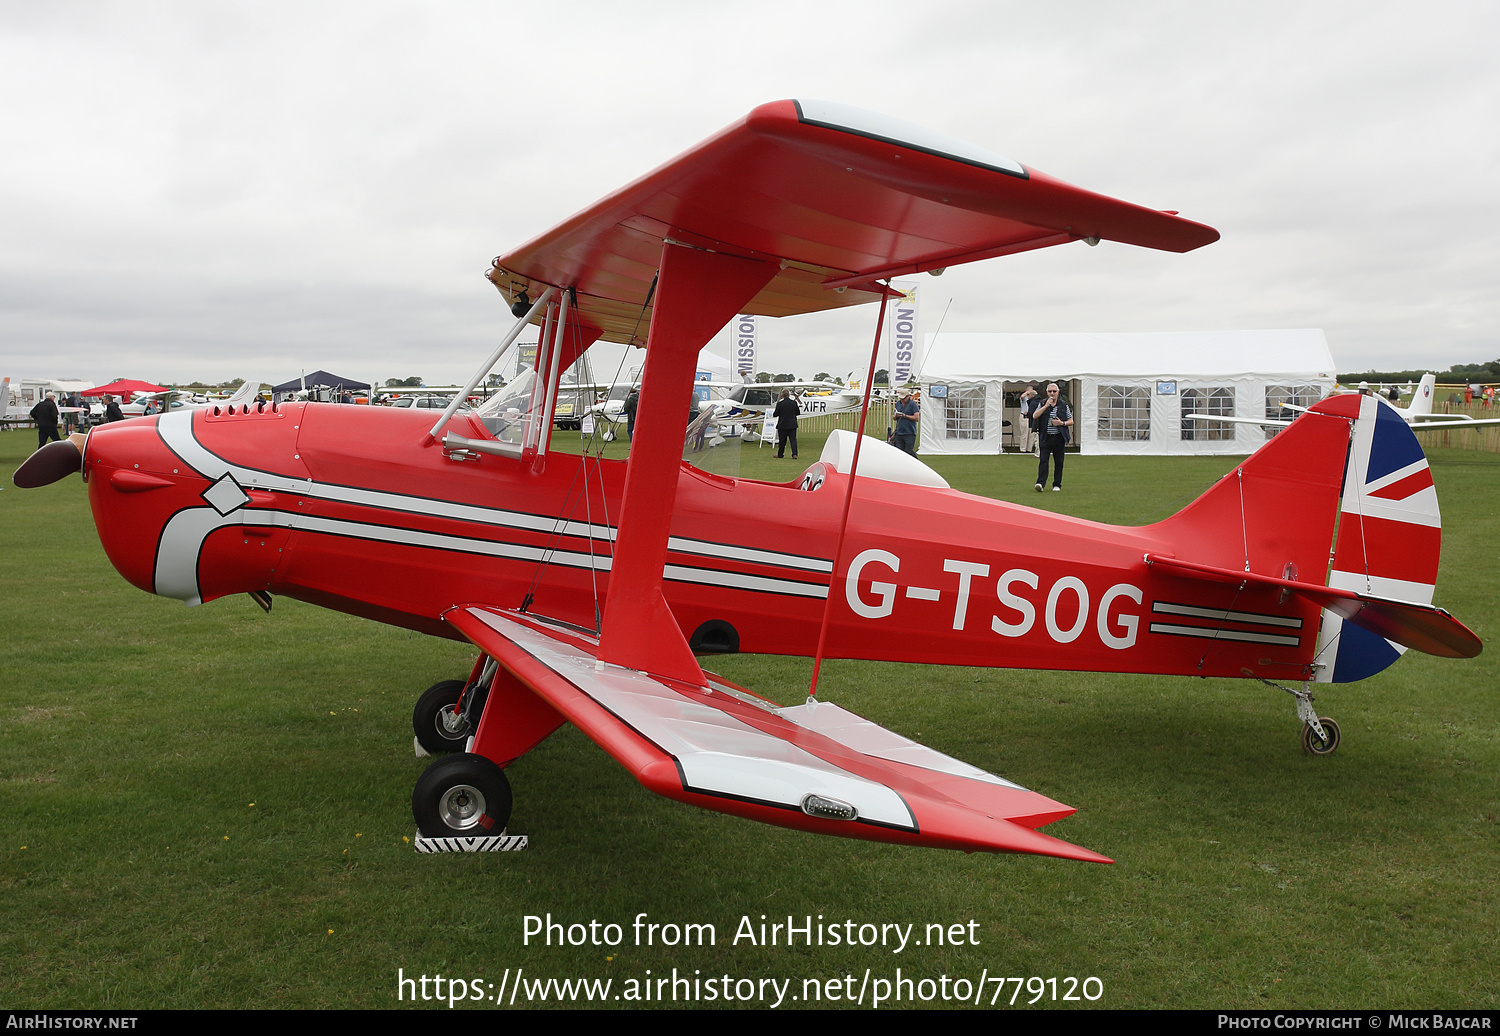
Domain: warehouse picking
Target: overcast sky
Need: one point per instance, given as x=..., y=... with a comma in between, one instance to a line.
x=205, y=190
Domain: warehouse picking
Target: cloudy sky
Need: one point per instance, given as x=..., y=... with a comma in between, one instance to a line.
x=206, y=190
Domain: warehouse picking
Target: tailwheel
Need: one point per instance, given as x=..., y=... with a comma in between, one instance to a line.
x=1324, y=744
x=462, y=795
x=1320, y=735
x=439, y=726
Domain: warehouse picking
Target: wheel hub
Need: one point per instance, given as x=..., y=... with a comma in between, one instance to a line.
x=451, y=724
x=461, y=807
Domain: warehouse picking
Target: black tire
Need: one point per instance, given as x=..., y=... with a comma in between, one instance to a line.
x=438, y=727
x=1314, y=745
x=462, y=796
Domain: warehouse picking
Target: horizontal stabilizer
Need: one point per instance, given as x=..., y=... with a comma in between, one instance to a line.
x=1422, y=627
x=814, y=767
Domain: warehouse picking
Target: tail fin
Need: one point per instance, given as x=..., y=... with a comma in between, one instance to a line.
x=1346, y=481
x=1421, y=398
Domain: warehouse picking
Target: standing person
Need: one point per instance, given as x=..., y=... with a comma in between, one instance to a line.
x=112, y=411
x=908, y=413
x=45, y=414
x=1030, y=400
x=786, y=423
x=632, y=401
x=1054, y=419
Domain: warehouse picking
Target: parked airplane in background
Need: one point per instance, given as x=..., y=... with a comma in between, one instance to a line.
x=749, y=403
x=1418, y=413
x=176, y=399
x=590, y=585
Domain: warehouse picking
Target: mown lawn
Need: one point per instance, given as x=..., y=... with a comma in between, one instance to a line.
x=209, y=807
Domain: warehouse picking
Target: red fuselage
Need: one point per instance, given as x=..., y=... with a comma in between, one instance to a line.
x=343, y=507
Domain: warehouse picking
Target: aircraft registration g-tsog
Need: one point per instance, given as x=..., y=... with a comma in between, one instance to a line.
x=589, y=586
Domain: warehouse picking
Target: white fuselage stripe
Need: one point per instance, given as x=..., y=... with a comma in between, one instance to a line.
x=182, y=540
x=177, y=432
x=1258, y=618
x=1220, y=634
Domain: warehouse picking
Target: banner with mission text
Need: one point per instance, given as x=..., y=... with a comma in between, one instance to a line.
x=902, y=319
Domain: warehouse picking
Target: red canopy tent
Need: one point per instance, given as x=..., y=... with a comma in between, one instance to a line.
x=125, y=387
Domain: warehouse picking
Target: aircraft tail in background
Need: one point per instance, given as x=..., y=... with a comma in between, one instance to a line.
x=1421, y=397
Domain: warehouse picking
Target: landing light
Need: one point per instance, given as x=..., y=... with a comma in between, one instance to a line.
x=828, y=809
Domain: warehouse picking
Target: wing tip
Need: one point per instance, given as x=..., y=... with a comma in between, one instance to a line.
x=1017, y=838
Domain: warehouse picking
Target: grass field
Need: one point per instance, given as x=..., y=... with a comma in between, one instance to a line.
x=209, y=807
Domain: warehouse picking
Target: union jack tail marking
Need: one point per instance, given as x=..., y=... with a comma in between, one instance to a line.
x=1389, y=538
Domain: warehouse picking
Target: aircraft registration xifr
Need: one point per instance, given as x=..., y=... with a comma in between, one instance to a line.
x=589, y=586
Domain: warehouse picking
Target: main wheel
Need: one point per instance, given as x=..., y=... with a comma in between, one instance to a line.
x=1314, y=745
x=463, y=795
x=436, y=721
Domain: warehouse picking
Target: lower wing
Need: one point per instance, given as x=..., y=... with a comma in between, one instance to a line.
x=814, y=767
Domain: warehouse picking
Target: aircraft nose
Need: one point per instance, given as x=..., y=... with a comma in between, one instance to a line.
x=52, y=463
x=135, y=485
x=176, y=515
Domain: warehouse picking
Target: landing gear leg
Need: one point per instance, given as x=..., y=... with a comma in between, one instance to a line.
x=448, y=712
x=1320, y=735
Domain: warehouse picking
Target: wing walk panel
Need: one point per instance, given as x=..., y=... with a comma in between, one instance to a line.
x=714, y=747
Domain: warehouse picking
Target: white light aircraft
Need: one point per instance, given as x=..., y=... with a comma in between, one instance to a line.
x=1419, y=414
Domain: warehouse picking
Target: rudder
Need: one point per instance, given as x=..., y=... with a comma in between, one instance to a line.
x=1389, y=538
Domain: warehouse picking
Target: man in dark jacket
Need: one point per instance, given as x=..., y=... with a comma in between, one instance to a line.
x=45, y=414
x=112, y=411
x=1054, y=420
x=786, y=423
x=632, y=401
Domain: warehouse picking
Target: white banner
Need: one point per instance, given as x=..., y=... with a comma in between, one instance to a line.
x=902, y=316
x=742, y=332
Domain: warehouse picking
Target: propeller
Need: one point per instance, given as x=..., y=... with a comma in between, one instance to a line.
x=53, y=462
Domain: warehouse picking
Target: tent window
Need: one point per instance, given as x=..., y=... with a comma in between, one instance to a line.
x=1124, y=414
x=1216, y=402
x=1279, y=396
x=963, y=413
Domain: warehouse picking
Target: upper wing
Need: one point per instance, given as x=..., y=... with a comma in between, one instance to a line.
x=815, y=767
x=840, y=196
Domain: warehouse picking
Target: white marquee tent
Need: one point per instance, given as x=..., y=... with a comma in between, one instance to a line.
x=1129, y=392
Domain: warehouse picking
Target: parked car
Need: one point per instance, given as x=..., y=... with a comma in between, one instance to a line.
x=428, y=402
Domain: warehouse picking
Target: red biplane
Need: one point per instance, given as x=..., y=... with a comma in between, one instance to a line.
x=591, y=586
